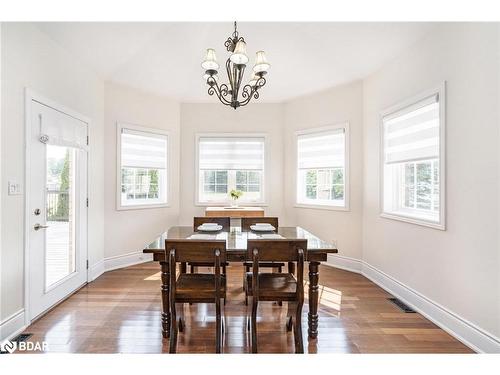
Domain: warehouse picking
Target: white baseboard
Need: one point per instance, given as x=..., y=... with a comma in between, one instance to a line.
x=125, y=260
x=344, y=263
x=466, y=332
x=469, y=334
x=96, y=270
x=12, y=325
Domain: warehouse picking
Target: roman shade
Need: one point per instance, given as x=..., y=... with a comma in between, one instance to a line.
x=141, y=149
x=60, y=129
x=231, y=153
x=322, y=149
x=412, y=134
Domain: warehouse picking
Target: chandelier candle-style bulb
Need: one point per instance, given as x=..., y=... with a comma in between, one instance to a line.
x=261, y=64
x=239, y=55
x=210, y=62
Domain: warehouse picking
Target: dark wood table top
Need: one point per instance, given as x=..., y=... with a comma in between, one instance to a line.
x=236, y=241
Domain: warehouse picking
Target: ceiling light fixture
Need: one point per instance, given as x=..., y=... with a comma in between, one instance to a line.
x=235, y=67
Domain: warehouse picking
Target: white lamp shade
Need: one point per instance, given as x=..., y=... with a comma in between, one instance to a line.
x=261, y=64
x=210, y=62
x=239, y=55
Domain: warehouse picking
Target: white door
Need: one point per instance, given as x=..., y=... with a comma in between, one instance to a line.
x=56, y=206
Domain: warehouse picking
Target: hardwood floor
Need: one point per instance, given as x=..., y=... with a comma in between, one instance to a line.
x=120, y=313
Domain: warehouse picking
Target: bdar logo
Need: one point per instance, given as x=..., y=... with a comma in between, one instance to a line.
x=8, y=346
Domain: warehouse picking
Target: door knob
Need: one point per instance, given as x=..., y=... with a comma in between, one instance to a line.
x=39, y=226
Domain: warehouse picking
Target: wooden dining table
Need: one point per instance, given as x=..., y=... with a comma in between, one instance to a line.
x=236, y=251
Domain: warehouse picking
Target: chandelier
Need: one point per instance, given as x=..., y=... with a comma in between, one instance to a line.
x=235, y=67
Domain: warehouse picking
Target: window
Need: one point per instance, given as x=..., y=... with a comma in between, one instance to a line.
x=230, y=162
x=322, y=168
x=142, y=159
x=413, y=160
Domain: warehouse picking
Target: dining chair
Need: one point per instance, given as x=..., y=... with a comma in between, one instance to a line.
x=196, y=287
x=246, y=223
x=225, y=222
x=277, y=286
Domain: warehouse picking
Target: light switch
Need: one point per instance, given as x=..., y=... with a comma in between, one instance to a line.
x=14, y=188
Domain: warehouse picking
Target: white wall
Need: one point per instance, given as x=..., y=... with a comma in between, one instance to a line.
x=1, y=184
x=256, y=118
x=127, y=231
x=456, y=268
x=30, y=59
x=334, y=106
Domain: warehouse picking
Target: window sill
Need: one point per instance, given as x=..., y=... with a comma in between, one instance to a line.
x=142, y=207
x=226, y=204
x=413, y=220
x=321, y=207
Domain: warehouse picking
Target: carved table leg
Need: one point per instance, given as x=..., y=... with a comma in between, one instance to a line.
x=165, y=314
x=312, y=317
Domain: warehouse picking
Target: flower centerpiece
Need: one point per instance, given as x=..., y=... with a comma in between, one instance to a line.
x=235, y=195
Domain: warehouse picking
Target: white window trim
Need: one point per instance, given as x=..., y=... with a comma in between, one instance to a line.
x=345, y=207
x=441, y=225
x=262, y=202
x=119, y=127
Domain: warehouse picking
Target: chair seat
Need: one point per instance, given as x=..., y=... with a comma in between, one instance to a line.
x=273, y=285
x=198, y=286
x=265, y=264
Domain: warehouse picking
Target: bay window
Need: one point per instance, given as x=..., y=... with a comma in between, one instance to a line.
x=413, y=160
x=230, y=162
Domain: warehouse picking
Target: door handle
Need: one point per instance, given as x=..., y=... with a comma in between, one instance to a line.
x=39, y=226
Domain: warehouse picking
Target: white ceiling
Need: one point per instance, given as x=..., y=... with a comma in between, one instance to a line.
x=165, y=58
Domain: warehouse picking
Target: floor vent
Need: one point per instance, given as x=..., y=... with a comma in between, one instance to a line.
x=405, y=308
x=19, y=338
x=22, y=337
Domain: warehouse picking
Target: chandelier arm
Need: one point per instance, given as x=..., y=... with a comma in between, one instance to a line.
x=224, y=90
x=229, y=75
x=215, y=89
x=250, y=92
x=235, y=88
x=241, y=71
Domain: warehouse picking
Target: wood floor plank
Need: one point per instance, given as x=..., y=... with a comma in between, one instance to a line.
x=120, y=313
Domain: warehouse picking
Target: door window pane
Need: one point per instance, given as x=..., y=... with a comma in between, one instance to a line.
x=60, y=214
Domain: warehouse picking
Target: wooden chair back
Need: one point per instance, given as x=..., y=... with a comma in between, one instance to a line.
x=196, y=250
x=224, y=221
x=247, y=221
x=279, y=250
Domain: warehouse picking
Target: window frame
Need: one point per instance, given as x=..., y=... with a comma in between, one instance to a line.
x=346, y=207
x=439, y=90
x=119, y=127
x=260, y=203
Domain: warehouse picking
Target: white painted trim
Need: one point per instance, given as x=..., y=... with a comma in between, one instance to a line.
x=140, y=128
x=12, y=325
x=267, y=159
x=344, y=263
x=126, y=260
x=347, y=141
x=439, y=90
x=321, y=207
x=460, y=328
x=95, y=270
x=463, y=330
